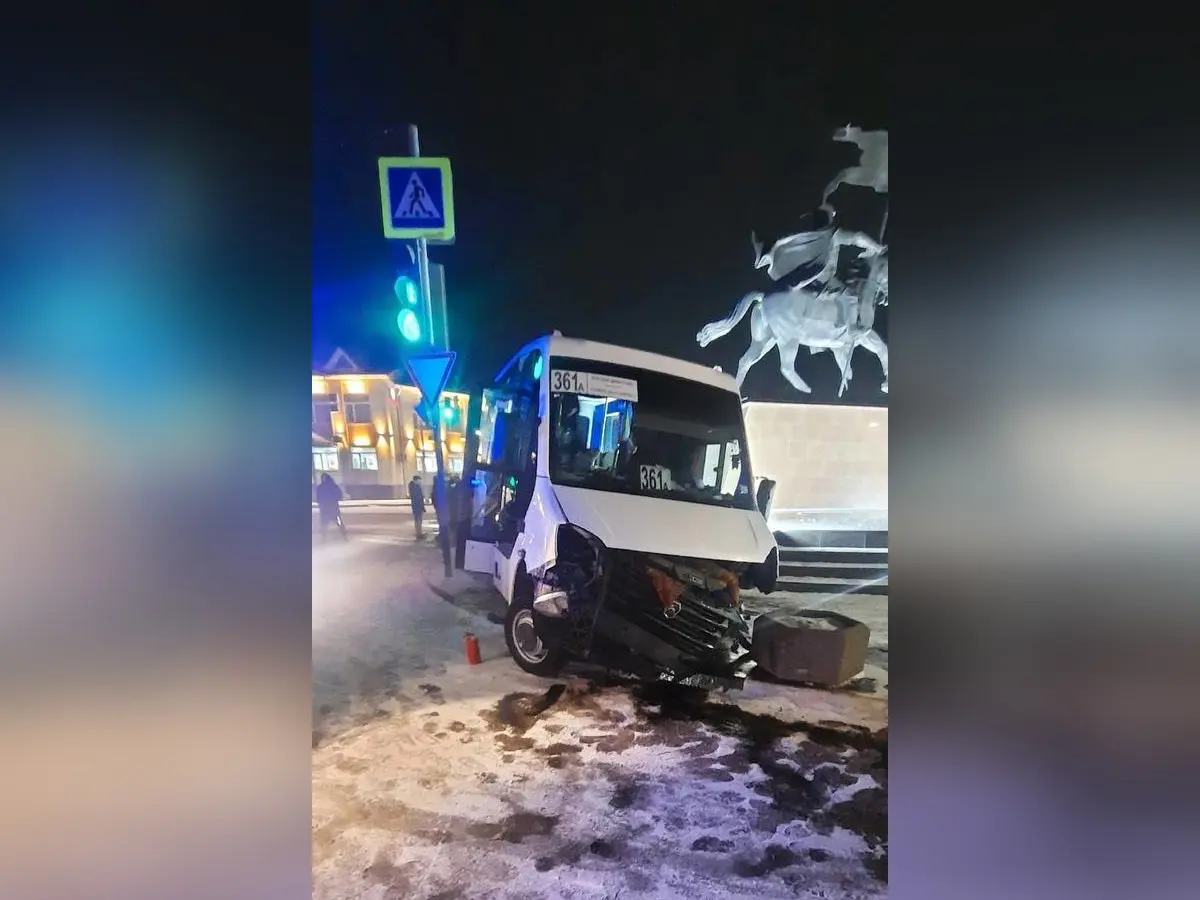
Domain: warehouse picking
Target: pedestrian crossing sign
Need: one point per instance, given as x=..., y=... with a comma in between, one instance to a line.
x=417, y=198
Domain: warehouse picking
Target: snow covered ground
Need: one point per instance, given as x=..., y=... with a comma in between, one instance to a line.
x=433, y=778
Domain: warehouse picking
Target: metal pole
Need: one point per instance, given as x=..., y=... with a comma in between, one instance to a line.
x=443, y=302
x=414, y=149
x=435, y=413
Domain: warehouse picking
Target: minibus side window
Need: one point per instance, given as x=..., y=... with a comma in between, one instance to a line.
x=506, y=461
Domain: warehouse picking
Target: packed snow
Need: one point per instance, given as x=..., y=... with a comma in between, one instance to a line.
x=434, y=778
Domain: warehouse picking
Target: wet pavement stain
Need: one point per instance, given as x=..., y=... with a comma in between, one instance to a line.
x=877, y=865
x=803, y=764
x=774, y=857
x=559, y=749
x=571, y=854
x=568, y=855
x=398, y=879
x=605, y=849
x=666, y=706
x=799, y=779
x=626, y=794
x=434, y=693
x=350, y=764
x=560, y=755
x=610, y=743
x=712, y=844
x=709, y=770
x=865, y=814
x=520, y=710
x=513, y=743
x=515, y=828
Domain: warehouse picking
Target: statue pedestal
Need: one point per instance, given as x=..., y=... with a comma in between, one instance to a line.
x=830, y=465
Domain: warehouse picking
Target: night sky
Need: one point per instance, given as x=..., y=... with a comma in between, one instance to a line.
x=608, y=171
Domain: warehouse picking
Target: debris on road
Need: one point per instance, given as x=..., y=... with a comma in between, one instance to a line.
x=811, y=646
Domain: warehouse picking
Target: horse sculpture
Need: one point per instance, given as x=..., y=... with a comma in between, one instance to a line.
x=819, y=311
x=837, y=318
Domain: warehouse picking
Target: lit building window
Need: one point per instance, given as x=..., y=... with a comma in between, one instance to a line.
x=325, y=459
x=358, y=409
x=323, y=408
x=363, y=459
x=427, y=461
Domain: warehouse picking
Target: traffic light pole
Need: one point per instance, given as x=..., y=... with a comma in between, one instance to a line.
x=414, y=149
x=435, y=412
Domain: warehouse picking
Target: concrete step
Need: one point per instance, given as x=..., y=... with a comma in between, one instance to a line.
x=808, y=585
x=826, y=539
x=840, y=571
x=847, y=555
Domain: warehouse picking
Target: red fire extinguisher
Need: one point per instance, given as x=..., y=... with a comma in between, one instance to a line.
x=471, y=643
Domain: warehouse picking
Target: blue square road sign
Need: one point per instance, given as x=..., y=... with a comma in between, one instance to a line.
x=417, y=198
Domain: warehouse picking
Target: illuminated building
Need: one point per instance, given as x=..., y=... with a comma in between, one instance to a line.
x=367, y=435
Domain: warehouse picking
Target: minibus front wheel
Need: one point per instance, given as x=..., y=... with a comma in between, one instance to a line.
x=527, y=649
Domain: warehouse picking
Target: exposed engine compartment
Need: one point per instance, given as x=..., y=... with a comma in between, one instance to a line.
x=652, y=616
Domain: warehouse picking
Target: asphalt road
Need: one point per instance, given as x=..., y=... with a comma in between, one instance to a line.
x=381, y=521
x=434, y=778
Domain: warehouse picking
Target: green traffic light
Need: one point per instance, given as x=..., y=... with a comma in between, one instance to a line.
x=410, y=327
x=406, y=290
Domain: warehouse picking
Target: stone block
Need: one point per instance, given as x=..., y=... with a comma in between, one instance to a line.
x=811, y=646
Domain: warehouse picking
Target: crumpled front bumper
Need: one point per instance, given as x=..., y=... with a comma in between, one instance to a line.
x=624, y=625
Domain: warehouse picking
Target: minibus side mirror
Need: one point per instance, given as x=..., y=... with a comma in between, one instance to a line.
x=764, y=496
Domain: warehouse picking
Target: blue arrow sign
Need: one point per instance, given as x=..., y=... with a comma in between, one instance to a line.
x=430, y=374
x=417, y=198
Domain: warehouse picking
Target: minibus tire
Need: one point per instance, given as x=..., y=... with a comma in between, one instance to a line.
x=519, y=619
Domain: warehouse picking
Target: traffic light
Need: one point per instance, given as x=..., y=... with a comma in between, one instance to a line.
x=420, y=320
x=410, y=318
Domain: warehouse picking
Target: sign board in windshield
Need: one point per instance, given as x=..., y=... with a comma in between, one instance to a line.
x=563, y=381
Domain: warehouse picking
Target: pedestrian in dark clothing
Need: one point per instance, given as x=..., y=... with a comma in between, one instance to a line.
x=329, y=498
x=416, y=497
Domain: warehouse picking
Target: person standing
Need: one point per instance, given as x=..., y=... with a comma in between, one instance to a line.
x=329, y=498
x=416, y=497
